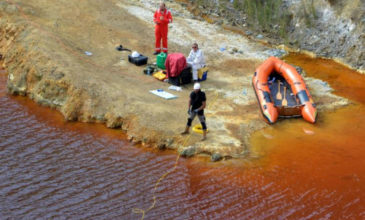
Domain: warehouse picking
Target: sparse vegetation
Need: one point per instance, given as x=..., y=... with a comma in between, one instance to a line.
x=262, y=15
x=265, y=14
x=309, y=11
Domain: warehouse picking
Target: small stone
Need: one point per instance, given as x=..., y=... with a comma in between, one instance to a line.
x=58, y=75
x=216, y=157
x=249, y=33
x=161, y=146
x=220, y=22
x=260, y=36
x=136, y=141
x=100, y=118
x=169, y=142
x=188, y=152
x=130, y=138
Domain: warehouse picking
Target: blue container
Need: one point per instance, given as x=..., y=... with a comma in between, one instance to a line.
x=205, y=76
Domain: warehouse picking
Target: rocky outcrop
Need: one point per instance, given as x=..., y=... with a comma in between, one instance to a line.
x=328, y=28
x=336, y=29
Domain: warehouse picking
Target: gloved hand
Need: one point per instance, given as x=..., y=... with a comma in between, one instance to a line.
x=196, y=110
x=189, y=111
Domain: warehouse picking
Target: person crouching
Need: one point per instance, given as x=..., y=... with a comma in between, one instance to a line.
x=197, y=103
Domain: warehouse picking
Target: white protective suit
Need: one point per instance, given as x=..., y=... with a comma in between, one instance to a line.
x=197, y=61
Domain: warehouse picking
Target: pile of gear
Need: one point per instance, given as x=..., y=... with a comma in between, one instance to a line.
x=174, y=68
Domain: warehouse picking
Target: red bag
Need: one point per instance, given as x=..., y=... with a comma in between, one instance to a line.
x=175, y=63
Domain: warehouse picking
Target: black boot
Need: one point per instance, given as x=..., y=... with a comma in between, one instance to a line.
x=156, y=53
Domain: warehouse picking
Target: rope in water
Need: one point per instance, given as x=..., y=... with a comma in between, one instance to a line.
x=143, y=212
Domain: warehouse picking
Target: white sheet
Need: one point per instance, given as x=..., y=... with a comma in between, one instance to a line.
x=163, y=94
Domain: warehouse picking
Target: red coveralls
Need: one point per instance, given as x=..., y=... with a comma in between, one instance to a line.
x=162, y=28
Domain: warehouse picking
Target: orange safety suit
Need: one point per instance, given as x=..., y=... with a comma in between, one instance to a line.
x=162, y=19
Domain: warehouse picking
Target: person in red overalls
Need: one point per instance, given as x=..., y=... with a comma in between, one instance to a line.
x=162, y=18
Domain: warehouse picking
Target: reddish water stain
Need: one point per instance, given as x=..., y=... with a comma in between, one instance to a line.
x=346, y=82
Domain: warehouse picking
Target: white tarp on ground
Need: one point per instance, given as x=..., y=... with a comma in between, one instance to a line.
x=163, y=94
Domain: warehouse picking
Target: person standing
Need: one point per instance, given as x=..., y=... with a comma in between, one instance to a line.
x=196, y=60
x=161, y=18
x=197, y=103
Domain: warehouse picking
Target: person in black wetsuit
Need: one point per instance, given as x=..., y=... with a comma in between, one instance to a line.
x=197, y=105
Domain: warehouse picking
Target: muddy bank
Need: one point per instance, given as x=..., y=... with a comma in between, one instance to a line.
x=326, y=28
x=44, y=45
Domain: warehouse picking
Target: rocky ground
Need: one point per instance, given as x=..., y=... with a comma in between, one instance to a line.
x=327, y=28
x=43, y=44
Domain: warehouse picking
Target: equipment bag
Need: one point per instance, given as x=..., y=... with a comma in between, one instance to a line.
x=138, y=61
x=174, y=80
x=160, y=75
x=150, y=69
x=186, y=75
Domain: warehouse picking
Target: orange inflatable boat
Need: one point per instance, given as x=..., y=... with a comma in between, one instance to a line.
x=281, y=92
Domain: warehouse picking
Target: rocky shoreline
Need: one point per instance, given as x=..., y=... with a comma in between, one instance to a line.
x=44, y=54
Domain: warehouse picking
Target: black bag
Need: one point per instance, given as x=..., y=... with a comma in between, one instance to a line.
x=174, y=81
x=150, y=69
x=186, y=75
x=139, y=61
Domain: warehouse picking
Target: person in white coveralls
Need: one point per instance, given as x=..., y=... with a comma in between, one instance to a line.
x=196, y=60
